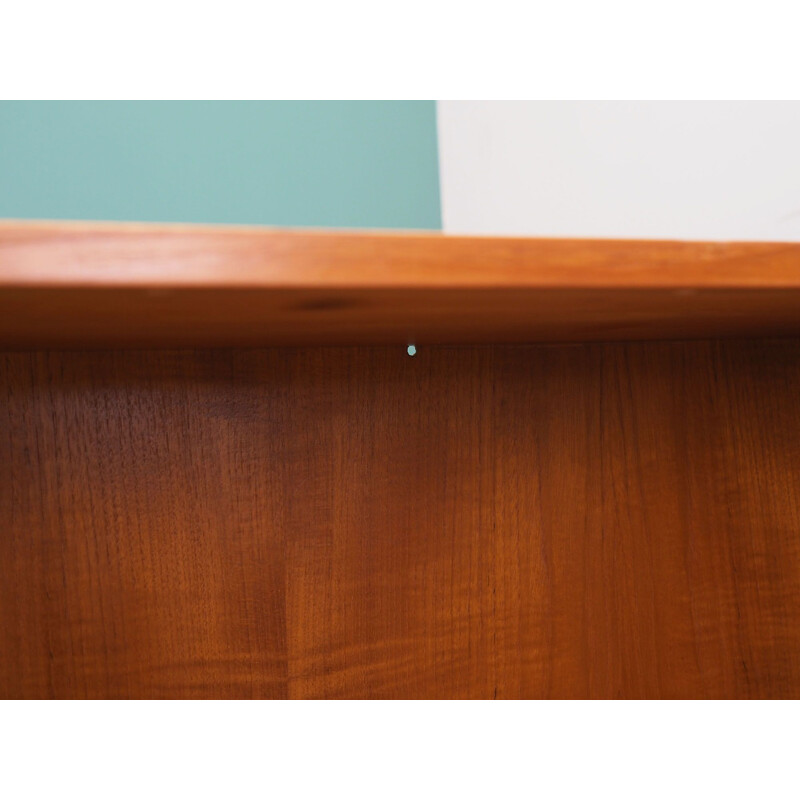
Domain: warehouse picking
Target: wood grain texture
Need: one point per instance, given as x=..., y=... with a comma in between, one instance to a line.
x=610, y=521
x=93, y=285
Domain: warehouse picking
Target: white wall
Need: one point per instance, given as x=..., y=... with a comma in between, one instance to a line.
x=721, y=171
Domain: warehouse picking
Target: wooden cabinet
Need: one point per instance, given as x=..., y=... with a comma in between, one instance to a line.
x=222, y=475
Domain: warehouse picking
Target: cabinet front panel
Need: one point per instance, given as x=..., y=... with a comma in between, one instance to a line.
x=582, y=521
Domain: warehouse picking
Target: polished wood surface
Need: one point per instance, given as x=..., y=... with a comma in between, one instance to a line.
x=612, y=521
x=100, y=285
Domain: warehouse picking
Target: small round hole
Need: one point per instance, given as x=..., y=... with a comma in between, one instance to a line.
x=411, y=350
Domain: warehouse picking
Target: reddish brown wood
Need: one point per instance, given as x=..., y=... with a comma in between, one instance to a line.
x=617, y=520
x=94, y=285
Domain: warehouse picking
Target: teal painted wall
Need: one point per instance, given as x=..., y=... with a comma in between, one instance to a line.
x=310, y=163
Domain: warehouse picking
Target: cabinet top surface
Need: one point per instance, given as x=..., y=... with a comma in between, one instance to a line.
x=136, y=285
x=62, y=254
